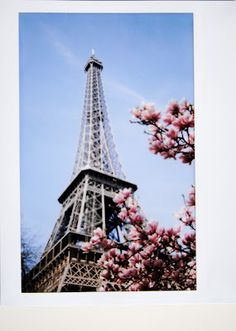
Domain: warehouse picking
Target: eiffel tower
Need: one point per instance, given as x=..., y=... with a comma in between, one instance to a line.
x=86, y=203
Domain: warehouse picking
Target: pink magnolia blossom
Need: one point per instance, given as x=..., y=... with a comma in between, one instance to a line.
x=186, y=158
x=191, y=138
x=128, y=273
x=134, y=247
x=105, y=274
x=123, y=214
x=134, y=287
x=135, y=259
x=137, y=112
x=87, y=247
x=168, y=118
x=136, y=218
x=155, y=146
x=184, y=105
x=173, y=108
x=184, y=121
x=99, y=234
x=171, y=134
x=146, y=112
x=191, y=197
x=148, y=250
x=135, y=234
x=153, y=238
x=122, y=196
x=152, y=227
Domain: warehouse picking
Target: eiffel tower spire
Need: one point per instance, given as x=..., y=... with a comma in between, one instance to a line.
x=96, y=148
x=86, y=203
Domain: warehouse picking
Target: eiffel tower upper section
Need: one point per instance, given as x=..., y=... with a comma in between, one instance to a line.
x=96, y=149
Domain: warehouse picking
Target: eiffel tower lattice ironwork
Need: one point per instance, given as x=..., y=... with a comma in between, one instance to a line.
x=87, y=202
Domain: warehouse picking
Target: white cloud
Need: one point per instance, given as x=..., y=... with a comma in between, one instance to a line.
x=61, y=48
x=67, y=53
x=125, y=90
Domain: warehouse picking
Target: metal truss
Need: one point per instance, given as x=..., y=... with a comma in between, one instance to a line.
x=85, y=209
x=82, y=275
x=96, y=148
x=48, y=280
x=71, y=274
x=87, y=203
x=61, y=276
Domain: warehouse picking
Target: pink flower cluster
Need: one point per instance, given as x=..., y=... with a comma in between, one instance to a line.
x=98, y=240
x=187, y=213
x=151, y=257
x=171, y=134
x=121, y=197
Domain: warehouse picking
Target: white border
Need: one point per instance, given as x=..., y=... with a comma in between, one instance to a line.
x=214, y=24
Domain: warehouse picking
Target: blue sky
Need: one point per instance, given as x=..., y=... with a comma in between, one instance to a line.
x=146, y=57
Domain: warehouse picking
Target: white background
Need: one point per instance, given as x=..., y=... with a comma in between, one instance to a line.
x=215, y=72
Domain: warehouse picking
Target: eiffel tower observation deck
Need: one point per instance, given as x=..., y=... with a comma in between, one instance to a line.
x=86, y=203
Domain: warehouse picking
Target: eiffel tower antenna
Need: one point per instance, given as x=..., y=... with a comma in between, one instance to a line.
x=86, y=203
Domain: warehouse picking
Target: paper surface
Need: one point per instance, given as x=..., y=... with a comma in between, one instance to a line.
x=214, y=56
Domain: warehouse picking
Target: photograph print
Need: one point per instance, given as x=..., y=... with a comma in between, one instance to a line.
x=107, y=183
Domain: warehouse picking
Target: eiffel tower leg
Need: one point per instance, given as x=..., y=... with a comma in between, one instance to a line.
x=83, y=204
x=62, y=280
x=103, y=208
